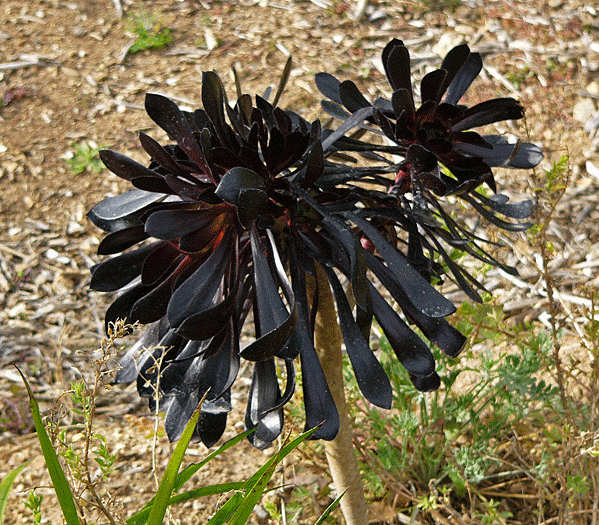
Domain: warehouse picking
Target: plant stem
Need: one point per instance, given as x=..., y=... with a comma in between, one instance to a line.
x=340, y=452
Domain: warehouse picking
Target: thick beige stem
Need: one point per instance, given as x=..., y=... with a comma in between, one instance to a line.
x=340, y=452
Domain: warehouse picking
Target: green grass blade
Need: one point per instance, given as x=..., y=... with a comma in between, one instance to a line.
x=6, y=485
x=255, y=486
x=59, y=480
x=167, y=483
x=142, y=516
x=253, y=495
x=189, y=471
x=225, y=512
x=330, y=509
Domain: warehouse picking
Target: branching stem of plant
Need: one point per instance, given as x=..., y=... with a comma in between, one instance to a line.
x=107, y=346
x=558, y=179
x=340, y=452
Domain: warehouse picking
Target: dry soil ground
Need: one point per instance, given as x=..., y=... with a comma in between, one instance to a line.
x=66, y=79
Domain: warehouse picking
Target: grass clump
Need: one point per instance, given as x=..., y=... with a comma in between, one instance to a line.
x=151, y=34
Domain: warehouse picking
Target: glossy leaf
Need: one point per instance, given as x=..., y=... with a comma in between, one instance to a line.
x=411, y=351
x=396, y=61
x=264, y=394
x=328, y=85
x=169, y=117
x=463, y=78
x=119, y=271
x=276, y=324
x=370, y=375
x=318, y=401
x=488, y=112
x=198, y=291
x=123, y=205
x=120, y=240
x=420, y=293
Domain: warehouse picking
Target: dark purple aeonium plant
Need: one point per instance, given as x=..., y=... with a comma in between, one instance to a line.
x=440, y=130
x=440, y=156
x=233, y=219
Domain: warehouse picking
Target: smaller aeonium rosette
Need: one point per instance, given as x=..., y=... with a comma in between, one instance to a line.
x=439, y=156
x=439, y=132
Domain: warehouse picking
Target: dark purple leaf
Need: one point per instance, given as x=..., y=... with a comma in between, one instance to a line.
x=283, y=121
x=210, y=427
x=152, y=306
x=172, y=224
x=471, y=139
x=119, y=271
x=384, y=123
x=518, y=210
x=328, y=85
x=163, y=258
x=122, y=305
x=435, y=329
x=488, y=112
x=430, y=87
x=460, y=275
x=396, y=61
x=313, y=168
x=214, y=371
x=422, y=295
x=213, y=99
x=520, y=155
x=129, y=364
x=403, y=101
x=464, y=78
x=352, y=248
x=493, y=219
x=275, y=325
x=355, y=120
x=121, y=240
x=180, y=409
x=204, y=239
x=171, y=119
x=264, y=394
x=452, y=63
x=123, y=166
x=198, y=291
x=318, y=401
x=251, y=205
x=370, y=375
x=162, y=156
x=236, y=180
x=351, y=97
x=123, y=205
x=411, y=351
x=207, y=323
x=427, y=384
x=283, y=81
x=184, y=188
x=154, y=184
x=334, y=110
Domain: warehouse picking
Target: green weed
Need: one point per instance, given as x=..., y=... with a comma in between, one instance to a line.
x=84, y=157
x=150, y=33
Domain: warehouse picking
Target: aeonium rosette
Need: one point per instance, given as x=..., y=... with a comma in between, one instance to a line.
x=439, y=156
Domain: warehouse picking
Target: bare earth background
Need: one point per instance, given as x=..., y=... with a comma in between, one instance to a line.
x=66, y=78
